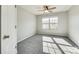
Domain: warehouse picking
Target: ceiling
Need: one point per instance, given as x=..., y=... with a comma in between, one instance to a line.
x=34, y=8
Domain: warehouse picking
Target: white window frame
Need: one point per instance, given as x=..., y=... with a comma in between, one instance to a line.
x=49, y=28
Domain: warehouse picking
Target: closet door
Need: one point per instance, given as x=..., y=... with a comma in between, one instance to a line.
x=8, y=29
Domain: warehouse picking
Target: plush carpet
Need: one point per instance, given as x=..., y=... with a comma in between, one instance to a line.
x=47, y=44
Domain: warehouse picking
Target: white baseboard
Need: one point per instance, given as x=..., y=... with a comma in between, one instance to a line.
x=52, y=34
x=25, y=38
x=76, y=42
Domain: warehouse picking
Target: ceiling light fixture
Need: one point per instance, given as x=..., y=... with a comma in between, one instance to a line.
x=46, y=11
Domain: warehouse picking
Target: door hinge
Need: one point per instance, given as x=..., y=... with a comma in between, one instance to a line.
x=15, y=6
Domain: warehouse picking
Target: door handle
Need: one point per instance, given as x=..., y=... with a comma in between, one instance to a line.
x=6, y=36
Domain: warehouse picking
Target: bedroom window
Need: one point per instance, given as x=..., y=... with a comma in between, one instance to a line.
x=50, y=23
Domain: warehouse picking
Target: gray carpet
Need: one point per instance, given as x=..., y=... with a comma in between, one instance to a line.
x=34, y=45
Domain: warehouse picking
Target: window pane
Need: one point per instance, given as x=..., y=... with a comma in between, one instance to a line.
x=54, y=20
x=51, y=20
x=45, y=20
x=53, y=26
x=45, y=26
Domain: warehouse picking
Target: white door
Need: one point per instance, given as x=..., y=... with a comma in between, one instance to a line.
x=8, y=30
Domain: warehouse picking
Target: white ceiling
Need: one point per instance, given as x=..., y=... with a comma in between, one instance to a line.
x=34, y=8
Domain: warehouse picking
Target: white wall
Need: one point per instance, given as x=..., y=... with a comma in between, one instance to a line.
x=74, y=24
x=62, y=24
x=26, y=24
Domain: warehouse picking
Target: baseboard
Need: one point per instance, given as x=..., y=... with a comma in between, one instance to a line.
x=75, y=42
x=53, y=35
x=25, y=38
